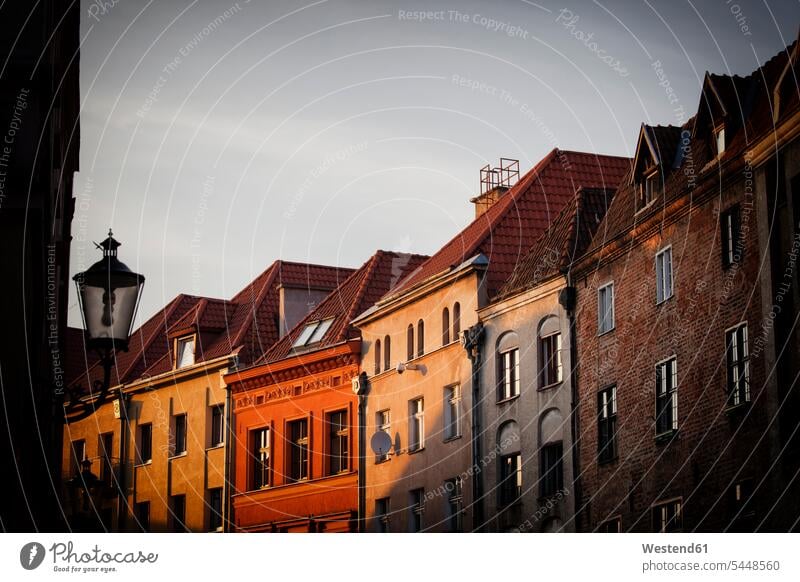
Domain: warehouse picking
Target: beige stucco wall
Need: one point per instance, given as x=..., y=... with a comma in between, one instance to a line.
x=523, y=314
x=444, y=366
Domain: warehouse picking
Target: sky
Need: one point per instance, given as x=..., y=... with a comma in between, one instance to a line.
x=218, y=136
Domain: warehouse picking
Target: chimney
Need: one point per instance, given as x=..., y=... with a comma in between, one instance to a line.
x=494, y=183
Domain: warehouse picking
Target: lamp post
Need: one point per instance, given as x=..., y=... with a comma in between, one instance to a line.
x=108, y=296
x=86, y=492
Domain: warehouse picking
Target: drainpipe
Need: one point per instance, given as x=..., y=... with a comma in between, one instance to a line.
x=227, y=477
x=360, y=386
x=471, y=339
x=122, y=476
x=567, y=298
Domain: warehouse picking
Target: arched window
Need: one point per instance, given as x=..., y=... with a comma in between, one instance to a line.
x=508, y=383
x=377, y=356
x=445, y=326
x=456, y=321
x=550, y=365
x=510, y=469
x=410, y=342
x=387, y=353
x=420, y=338
x=551, y=452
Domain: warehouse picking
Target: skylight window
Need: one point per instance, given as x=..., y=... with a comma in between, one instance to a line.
x=313, y=333
x=719, y=134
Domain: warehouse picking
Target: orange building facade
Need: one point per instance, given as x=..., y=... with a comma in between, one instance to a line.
x=296, y=443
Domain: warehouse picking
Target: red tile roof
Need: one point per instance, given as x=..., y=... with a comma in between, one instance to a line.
x=247, y=324
x=564, y=241
x=506, y=232
x=355, y=295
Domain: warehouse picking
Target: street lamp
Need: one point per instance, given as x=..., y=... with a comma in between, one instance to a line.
x=86, y=493
x=108, y=296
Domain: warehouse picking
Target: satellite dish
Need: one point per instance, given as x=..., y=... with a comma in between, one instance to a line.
x=381, y=442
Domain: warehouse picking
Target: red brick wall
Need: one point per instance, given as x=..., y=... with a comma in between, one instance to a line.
x=712, y=449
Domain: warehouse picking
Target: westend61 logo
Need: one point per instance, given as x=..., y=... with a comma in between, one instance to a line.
x=67, y=559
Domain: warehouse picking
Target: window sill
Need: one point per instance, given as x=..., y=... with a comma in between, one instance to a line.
x=737, y=409
x=666, y=437
x=663, y=301
x=214, y=447
x=178, y=456
x=646, y=207
x=607, y=462
x=144, y=464
x=606, y=332
x=549, y=386
x=382, y=461
x=452, y=438
x=415, y=451
x=509, y=399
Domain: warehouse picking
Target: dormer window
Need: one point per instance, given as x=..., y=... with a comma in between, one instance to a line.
x=648, y=189
x=719, y=139
x=313, y=333
x=184, y=354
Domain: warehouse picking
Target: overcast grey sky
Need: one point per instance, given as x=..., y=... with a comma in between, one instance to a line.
x=218, y=136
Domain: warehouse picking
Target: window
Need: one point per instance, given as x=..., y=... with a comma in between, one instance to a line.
x=666, y=397
x=382, y=509
x=454, y=504
x=416, y=425
x=261, y=457
x=668, y=517
x=298, y=450
x=338, y=440
x=178, y=512
x=416, y=509
x=383, y=423
x=106, y=449
x=730, y=231
x=217, y=425
x=78, y=456
x=387, y=353
x=551, y=469
x=719, y=139
x=377, y=357
x=648, y=189
x=179, y=434
x=410, y=342
x=452, y=421
x=215, y=509
x=142, y=511
x=550, y=358
x=605, y=308
x=509, y=374
x=445, y=326
x=456, y=321
x=145, y=442
x=738, y=363
x=510, y=478
x=185, y=352
x=313, y=333
x=607, y=425
x=663, y=274
x=420, y=338
x=613, y=525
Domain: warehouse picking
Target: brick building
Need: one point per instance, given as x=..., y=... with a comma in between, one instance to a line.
x=677, y=407
x=295, y=415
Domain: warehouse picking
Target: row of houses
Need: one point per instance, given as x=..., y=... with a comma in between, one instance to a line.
x=611, y=345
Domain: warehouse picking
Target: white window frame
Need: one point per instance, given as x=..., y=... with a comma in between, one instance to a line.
x=719, y=134
x=674, y=396
x=557, y=350
x=181, y=359
x=609, y=288
x=735, y=394
x=416, y=424
x=664, y=276
x=452, y=414
x=509, y=374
